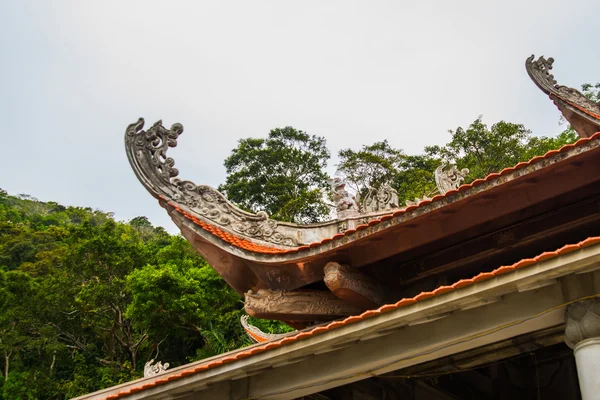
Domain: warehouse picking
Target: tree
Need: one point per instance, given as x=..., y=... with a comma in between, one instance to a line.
x=484, y=150
x=282, y=175
x=415, y=178
x=592, y=92
x=183, y=299
x=371, y=166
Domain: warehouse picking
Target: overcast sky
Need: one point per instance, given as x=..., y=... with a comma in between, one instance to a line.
x=74, y=74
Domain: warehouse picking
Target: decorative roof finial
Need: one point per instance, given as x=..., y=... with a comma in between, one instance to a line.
x=381, y=199
x=582, y=113
x=449, y=179
x=345, y=205
x=154, y=369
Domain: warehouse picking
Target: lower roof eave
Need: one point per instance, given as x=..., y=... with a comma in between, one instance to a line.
x=511, y=304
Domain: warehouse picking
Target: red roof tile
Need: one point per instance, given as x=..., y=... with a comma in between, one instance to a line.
x=367, y=314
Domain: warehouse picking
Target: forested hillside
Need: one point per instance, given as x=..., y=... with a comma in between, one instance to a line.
x=85, y=301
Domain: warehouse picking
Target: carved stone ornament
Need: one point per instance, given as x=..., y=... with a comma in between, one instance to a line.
x=147, y=153
x=353, y=286
x=300, y=305
x=154, y=369
x=583, y=321
x=381, y=199
x=345, y=205
x=253, y=332
x=449, y=179
x=582, y=113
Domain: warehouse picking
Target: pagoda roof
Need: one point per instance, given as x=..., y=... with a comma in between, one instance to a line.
x=382, y=253
x=480, y=290
x=251, y=251
x=510, y=173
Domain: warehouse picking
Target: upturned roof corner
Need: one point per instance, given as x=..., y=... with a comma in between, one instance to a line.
x=582, y=113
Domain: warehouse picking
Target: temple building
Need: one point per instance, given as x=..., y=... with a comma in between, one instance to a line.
x=487, y=290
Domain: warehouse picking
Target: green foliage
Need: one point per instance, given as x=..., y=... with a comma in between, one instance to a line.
x=592, y=92
x=270, y=326
x=415, y=177
x=484, y=150
x=481, y=149
x=282, y=175
x=371, y=166
x=85, y=301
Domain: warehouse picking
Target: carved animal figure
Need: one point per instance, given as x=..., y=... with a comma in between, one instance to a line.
x=342, y=199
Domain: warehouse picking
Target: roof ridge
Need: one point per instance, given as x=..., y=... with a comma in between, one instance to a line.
x=246, y=244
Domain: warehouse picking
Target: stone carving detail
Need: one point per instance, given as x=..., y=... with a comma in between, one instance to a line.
x=381, y=199
x=449, y=179
x=152, y=370
x=582, y=113
x=301, y=305
x=253, y=332
x=353, y=286
x=147, y=153
x=583, y=321
x=446, y=179
x=345, y=205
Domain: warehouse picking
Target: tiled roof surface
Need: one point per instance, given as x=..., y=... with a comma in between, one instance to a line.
x=258, y=248
x=228, y=237
x=527, y=262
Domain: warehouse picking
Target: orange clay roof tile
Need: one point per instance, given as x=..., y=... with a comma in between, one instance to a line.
x=590, y=241
x=503, y=270
x=546, y=255
x=483, y=276
x=353, y=319
x=524, y=263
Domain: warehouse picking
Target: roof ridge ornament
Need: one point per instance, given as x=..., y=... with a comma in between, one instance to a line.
x=449, y=179
x=383, y=198
x=345, y=205
x=582, y=113
x=445, y=181
x=151, y=370
x=147, y=154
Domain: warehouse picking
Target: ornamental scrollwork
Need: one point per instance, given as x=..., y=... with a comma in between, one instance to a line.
x=312, y=304
x=449, y=179
x=341, y=276
x=582, y=113
x=147, y=153
x=383, y=198
x=539, y=71
x=151, y=369
x=253, y=332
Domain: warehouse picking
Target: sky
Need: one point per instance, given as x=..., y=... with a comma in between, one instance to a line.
x=74, y=74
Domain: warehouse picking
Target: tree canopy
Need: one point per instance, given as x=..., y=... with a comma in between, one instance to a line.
x=481, y=149
x=283, y=175
x=370, y=166
x=85, y=301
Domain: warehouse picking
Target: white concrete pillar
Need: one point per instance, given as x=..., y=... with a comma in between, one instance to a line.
x=582, y=334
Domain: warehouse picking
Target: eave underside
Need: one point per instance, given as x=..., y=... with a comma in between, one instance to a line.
x=524, y=301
